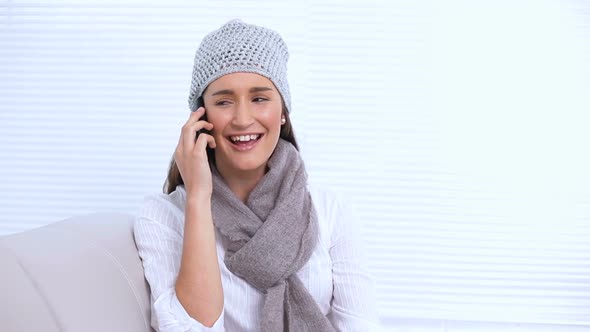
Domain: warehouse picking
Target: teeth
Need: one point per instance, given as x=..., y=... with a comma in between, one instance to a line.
x=244, y=138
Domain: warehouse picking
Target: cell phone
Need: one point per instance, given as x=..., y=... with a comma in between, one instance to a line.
x=201, y=103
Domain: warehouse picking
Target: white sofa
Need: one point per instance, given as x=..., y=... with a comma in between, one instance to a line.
x=80, y=274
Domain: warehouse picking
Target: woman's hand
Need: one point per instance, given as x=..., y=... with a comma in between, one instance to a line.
x=191, y=155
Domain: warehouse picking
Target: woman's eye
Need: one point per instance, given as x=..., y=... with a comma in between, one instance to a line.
x=259, y=99
x=222, y=102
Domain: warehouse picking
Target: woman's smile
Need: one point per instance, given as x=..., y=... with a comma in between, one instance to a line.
x=245, y=142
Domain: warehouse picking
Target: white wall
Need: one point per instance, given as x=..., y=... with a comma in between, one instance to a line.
x=457, y=128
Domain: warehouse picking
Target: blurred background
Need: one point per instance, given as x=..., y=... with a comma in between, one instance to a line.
x=458, y=129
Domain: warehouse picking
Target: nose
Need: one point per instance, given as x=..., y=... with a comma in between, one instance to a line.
x=242, y=115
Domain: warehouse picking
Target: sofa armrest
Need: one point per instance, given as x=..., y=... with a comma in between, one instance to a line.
x=79, y=274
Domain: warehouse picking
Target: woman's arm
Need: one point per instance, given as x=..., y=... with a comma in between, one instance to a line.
x=184, y=268
x=158, y=232
x=198, y=286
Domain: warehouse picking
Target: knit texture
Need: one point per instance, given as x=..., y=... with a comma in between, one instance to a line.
x=240, y=47
x=270, y=237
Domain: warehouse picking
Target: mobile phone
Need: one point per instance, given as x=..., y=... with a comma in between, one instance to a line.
x=201, y=103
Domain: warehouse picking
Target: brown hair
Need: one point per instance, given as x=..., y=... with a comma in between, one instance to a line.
x=174, y=178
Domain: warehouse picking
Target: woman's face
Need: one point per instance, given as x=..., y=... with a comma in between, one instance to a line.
x=245, y=110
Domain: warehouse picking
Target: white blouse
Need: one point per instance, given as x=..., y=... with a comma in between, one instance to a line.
x=335, y=275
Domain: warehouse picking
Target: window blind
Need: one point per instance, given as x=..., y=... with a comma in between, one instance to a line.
x=456, y=130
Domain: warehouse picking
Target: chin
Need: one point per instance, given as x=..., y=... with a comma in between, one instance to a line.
x=247, y=165
x=241, y=163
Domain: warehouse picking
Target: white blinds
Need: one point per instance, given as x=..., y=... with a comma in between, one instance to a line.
x=457, y=130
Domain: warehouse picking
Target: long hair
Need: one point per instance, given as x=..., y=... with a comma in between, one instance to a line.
x=174, y=179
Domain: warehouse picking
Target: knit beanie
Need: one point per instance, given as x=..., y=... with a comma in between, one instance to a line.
x=240, y=47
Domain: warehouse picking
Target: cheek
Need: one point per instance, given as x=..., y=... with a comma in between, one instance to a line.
x=219, y=122
x=272, y=117
x=273, y=123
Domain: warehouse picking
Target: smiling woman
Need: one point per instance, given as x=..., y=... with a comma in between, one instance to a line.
x=239, y=240
x=241, y=107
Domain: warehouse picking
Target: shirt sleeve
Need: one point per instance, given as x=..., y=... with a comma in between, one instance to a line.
x=158, y=237
x=353, y=306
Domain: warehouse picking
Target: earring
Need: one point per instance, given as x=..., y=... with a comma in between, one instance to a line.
x=283, y=120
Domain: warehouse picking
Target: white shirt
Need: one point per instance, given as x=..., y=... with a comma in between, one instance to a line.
x=335, y=275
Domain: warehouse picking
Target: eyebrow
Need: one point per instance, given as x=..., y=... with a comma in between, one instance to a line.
x=231, y=92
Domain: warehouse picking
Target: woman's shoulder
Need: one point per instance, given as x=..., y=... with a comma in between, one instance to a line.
x=322, y=196
x=325, y=198
x=336, y=212
x=329, y=205
x=163, y=208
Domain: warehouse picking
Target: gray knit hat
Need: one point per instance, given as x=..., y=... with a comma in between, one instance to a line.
x=240, y=47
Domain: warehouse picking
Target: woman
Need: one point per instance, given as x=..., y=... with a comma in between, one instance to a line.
x=239, y=241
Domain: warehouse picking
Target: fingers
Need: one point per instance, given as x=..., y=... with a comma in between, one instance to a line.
x=191, y=127
x=203, y=141
x=200, y=145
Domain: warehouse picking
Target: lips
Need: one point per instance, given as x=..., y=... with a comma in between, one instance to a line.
x=244, y=142
x=244, y=138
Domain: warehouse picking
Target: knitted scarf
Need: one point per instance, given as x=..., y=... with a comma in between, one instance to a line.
x=270, y=237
